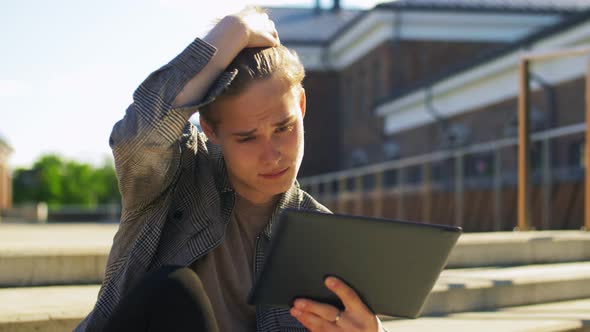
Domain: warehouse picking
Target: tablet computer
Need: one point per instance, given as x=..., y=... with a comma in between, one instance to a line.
x=392, y=265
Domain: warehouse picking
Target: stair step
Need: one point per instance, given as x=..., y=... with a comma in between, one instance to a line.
x=548, y=317
x=520, y=248
x=457, y=290
x=62, y=254
x=460, y=290
x=54, y=254
x=50, y=308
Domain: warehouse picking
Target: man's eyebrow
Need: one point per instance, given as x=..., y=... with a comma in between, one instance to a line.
x=284, y=121
x=250, y=132
x=245, y=133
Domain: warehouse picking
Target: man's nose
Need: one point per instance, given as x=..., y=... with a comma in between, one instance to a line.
x=271, y=151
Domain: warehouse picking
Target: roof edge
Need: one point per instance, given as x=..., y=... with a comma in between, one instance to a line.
x=488, y=56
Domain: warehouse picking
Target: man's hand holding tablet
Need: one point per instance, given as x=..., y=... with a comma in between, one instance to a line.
x=318, y=316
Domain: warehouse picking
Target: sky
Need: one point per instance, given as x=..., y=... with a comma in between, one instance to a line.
x=68, y=68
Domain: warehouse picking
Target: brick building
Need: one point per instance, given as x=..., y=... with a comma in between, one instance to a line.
x=478, y=101
x=5, y=177
x=362, y=64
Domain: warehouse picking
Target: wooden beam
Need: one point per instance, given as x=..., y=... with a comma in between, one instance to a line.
x=575, y=51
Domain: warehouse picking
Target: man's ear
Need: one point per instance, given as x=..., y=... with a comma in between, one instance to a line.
x=302, y=102
x=208, y=130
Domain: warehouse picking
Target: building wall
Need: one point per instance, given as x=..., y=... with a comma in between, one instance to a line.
x=497, y=121
x=386, y=70
x=321, y=123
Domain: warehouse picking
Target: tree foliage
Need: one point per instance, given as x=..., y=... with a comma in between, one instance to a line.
x=65, y=182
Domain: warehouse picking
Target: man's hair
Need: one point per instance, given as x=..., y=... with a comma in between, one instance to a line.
x=254, y=64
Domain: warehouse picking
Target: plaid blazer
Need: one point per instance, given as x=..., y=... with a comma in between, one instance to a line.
x=176, y=196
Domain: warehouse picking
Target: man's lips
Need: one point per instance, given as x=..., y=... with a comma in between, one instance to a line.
x=275, y=174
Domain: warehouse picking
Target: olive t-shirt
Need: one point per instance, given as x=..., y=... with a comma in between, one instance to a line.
x=227, y=271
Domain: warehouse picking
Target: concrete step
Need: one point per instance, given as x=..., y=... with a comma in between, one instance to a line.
x=458, y=290
x=60, y=308
x=50, y=308
x=54, y=254
x=549, y=317
x=520, y=248
x=471, y=289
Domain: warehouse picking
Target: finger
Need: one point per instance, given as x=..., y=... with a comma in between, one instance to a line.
x=313, y=322
x=263, y=40
x=322, y=310
x=260, y=10
x=346, y=294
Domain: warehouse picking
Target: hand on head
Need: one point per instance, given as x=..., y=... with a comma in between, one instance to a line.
x=259, y=30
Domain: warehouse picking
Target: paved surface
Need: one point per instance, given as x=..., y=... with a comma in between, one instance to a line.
x=44, y=239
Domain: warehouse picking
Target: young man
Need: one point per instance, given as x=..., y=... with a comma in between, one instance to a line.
x=198, y=210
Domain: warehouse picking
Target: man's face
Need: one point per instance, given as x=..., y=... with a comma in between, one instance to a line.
x=260, y=133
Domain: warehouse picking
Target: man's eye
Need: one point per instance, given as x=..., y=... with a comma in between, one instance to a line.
x=245, y=139
x=285, y=128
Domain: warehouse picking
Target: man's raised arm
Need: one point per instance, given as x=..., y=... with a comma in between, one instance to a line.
x=145, y=142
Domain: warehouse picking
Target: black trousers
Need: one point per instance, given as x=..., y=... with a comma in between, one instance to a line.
x=171, y=298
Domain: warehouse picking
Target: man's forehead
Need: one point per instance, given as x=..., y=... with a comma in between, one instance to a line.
x=247, y=132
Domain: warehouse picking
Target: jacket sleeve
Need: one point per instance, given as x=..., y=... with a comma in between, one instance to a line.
x=146, y=142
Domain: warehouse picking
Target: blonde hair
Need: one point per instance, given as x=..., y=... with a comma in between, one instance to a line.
x=254, y=64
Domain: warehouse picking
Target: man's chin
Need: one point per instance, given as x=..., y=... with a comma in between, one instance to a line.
x=277, y=188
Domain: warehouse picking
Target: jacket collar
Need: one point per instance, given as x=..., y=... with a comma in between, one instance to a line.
x=292, y=198
x=221, y=178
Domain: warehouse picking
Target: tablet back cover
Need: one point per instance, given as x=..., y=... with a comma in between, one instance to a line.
x=393, y=265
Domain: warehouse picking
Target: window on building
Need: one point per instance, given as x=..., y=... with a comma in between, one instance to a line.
x=455, y=135
x=359, y=157
x=538, y=121
x=576, y=154
x=391, y=150
x=369, y=182
x=390, y=178
x=479, y=165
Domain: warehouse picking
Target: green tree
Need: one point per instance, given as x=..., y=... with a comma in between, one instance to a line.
x=106, y=184
x=49, y=170
x=59, y=182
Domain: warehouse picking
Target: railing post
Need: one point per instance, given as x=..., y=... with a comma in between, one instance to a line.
x=587, y=156
x=358, y=184
x=497, y=190
x=342, y=194
x=459, y=196
x=378, y=195
x=524, y=222
x=315, y=189
x=401, y=181
x=426, y=192
x=546, y=169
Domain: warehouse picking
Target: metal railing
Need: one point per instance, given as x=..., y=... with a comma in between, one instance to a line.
x=394, y=177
